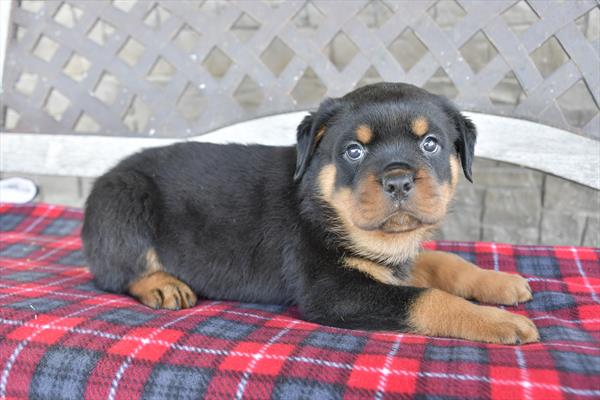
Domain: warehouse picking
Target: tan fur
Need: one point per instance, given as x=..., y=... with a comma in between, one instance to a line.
x=369, y=207
x=433, y=198
x=390, y=248
x=162, y=290
x=448, y=189
x=454, y=171
x=152, y=262
x=360, y=214
x=419, y=126
x=453, y=274
x=430, y=198
x=372, y=204
x=375, y=271
x=364, y=134
x=437, y=313
x=319, y=135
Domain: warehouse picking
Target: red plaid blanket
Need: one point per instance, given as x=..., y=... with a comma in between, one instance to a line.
x=61, y=338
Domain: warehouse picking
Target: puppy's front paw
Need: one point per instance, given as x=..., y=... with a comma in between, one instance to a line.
x=437, y=313
x=501, y=288
x=503, y=327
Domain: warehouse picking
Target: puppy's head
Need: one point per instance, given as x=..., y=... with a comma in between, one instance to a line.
x=385, y=159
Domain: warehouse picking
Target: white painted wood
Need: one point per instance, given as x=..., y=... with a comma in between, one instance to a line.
x=538, y=146
x=5, y=6
x=505, y=139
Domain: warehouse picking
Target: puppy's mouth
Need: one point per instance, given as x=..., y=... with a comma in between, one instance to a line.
x=401, y=222
x=398, y=222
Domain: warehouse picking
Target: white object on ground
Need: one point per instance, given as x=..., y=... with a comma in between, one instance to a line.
x=17, y=190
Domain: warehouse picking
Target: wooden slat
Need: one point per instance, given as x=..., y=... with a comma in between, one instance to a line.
x=505, y=139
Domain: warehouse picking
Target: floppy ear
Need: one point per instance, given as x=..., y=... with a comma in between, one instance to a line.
x=310, y=131
x=465, y=143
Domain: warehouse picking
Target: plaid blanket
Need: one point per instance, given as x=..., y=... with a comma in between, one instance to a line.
x=61, y=338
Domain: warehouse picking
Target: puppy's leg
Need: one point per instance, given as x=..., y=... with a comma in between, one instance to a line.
x=120, y=228
x=162, y=290
x=452, y=274
x=437, y=313
x=365, y=304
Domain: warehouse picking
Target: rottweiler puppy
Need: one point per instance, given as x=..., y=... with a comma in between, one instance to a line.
x=334, y=225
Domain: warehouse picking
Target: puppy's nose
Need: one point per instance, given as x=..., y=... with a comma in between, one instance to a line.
x=399, y=186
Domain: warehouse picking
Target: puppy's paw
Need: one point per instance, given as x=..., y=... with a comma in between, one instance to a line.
x=171, y=296
x=501, y=288
x=437, y=313
x=162, y=290
x=503, y=327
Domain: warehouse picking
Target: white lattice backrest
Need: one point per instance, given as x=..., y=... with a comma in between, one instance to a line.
x=179, y=69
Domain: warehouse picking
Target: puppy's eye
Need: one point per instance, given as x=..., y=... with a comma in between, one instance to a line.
x=355, y=151
x=430, y=144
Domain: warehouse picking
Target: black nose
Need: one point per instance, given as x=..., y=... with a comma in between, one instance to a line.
x=399, y=185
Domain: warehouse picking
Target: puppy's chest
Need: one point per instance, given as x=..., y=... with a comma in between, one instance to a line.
x=397, y=275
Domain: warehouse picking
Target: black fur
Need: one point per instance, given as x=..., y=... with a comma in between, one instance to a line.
x=248, y=223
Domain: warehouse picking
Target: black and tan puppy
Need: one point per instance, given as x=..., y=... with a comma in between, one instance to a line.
x=334, y=225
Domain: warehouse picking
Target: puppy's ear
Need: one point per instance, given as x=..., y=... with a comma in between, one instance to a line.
x=465, y=143
x=310, y=132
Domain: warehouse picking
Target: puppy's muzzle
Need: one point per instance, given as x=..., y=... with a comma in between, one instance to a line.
x=398, y=183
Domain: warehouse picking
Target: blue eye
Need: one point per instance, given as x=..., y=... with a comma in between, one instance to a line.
x=430, y=144
x=355, y=151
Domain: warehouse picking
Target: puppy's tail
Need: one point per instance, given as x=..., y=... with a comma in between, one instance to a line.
x=121, y=217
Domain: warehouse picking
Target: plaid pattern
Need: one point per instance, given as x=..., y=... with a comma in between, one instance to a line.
x=61, y=338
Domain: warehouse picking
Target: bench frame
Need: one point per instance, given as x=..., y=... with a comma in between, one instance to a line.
x=511, y=140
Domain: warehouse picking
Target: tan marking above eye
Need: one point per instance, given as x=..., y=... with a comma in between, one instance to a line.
x=364, y=134
x=419, y=126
